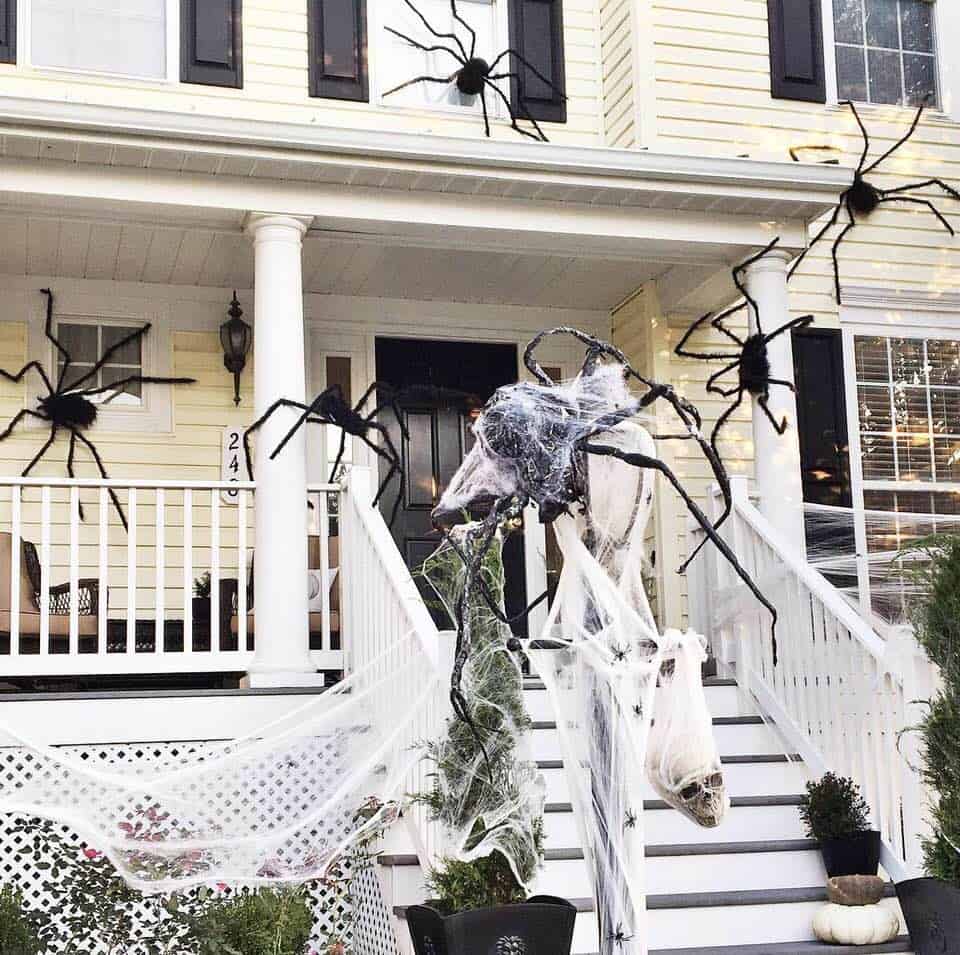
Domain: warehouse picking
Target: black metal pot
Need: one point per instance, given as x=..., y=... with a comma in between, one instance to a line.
x=854, y=855
x=543, y=925
x=932, y=911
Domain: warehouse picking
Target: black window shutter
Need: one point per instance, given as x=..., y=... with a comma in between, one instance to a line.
x=536, y=33
x=822, y=416
x=796, y=50
x=338, y=49
x=211, y=42
x=8, y=31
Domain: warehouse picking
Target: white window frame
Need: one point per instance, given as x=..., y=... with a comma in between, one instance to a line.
x=887, y=320
x=946, y=24
x=378, y=15
x=154, y=415
x=172, y=17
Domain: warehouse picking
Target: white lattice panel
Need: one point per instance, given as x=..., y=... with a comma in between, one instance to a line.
x=275, y=791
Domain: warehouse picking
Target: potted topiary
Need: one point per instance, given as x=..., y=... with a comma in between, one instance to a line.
x=18, y=925
x=931, y=905
x=835, y=814
x=201, y=598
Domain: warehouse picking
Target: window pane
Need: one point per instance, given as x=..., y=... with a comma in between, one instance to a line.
x=129, y=354
x=75, y=373
x=851, y=73
x=848, y=21
x=945, y=405
x=874, y=407
x=916, y=25
x=919, y=79
x=910, y=407
x=109, y=36
x=947, y=452
x=907, y=361
x=943, y=358
x=882, y=24
x=80, y=341
x=877, y=458
x=871, y=359
x=913, y=458
x=886, y=83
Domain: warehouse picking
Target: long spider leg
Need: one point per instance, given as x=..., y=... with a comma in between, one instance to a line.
x=340, y=453
x=279, y=403
x=103, y=474
x=740, y=270
x=781, y=381
x=108, y=354
x=440, y=36
x=18, y=417
x=712, y=380
x=70, y=456
x=396, y=464
x=644, y=461
x=922, y=202
x=132, y=380
x=719, y=319
x=522, y=59
x=18, y=377
x=48, y=331
x=863, y=133
x=779, y=426
x=802, y=322
x=946, y=187
x=899, y=142
x=727, y=392
x=421, y=79
x=470, y=30
x=525, y=112
x=833, y=255
x=423, y=47
x=823, y=231
x=679, y=348
x=513, y=115
x=43, y=450
x=486, y=117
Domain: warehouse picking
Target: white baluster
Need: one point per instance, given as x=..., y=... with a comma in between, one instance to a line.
x=188, y=570
x=132, y=570
x=44, y=570
x=215, y=571
x=160, y=569
x=74, y=570
x=15, y=549
x=242, y=572
x=324, y=570
x=103, y=570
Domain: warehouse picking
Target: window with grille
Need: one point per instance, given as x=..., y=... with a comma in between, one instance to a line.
x=86, y=343
x=886, y=51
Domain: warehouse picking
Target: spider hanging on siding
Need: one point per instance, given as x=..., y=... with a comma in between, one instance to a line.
x=331, y=407
x=750, y=361
x=862, y=197
x=475, y=75
x=71, y=407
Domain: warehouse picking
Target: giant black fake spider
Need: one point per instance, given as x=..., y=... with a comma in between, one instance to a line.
x=750, y=361
x=70, y=406
x=862, y=197
x=331, y=407
x=475, y=76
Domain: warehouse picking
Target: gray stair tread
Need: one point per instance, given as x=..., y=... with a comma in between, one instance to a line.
x=741, y=760
x=700, y=900
x=901, y=944
x=652, y=805
x=401, y=859
x=732, y=848
x=717, y=721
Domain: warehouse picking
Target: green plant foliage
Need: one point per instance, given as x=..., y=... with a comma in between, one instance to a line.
x=833, y=808
x=936, y=620
x=266, y=922
x=18, y=926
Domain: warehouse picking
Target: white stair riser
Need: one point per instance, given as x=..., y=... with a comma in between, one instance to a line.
x=408, y=887
x=668, y=875
x=739, y=740
x=721, y=701
x=741, y=824
x=735, y=925
x=566, y=878
x=742, y=779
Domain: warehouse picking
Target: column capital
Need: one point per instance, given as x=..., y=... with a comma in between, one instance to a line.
x=774, y=261
x=255, y=221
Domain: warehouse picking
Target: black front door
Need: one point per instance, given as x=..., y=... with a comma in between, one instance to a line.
x=450, y=381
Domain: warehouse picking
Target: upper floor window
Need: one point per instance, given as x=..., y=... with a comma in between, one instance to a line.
x=124, y=37
x=87, y=343
x=886, y=51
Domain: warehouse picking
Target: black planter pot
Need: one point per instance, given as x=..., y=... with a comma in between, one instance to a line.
x=932, y=911
x=543, y=925
x=201, y=609
x=854, y=855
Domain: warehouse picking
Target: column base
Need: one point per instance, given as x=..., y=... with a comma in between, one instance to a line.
x=281, y=680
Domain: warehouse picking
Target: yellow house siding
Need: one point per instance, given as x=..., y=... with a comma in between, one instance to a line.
x=276, y=82
x=619, y=101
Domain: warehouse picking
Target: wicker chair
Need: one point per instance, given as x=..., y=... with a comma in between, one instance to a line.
x=88, y=599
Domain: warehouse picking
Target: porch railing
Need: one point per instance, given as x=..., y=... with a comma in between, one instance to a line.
x=80, y=595
x=839, y=694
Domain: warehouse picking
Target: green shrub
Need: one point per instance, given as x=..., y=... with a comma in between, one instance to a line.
x=936, y=620
x=18, y=927
x=266, y=922
x=833, y=808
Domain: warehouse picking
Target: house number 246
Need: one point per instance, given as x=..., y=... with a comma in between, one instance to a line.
x=231, y=467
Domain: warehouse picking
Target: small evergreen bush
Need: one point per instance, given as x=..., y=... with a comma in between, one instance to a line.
x=833, y=808
x=18, y=935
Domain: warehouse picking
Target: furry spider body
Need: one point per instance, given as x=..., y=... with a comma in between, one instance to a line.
x=475, y=76
x=71, y=408
x=754, y=367
x=862, y=197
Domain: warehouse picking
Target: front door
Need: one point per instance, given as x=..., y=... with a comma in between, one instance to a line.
x=450, y=382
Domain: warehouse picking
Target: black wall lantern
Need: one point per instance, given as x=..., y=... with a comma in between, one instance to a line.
x=236, y=337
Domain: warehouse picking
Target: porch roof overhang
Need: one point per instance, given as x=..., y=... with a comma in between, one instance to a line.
x=678, y=218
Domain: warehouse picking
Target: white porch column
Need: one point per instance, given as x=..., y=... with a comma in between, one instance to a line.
x=777, y=457
x=280, y=579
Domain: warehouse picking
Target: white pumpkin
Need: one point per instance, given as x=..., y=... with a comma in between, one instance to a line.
x=856, y=924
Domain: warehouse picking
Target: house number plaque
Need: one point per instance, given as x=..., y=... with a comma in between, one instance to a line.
x=231, y=467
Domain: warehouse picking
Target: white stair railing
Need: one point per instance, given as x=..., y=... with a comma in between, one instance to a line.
x=382, y=610
x=840, y=694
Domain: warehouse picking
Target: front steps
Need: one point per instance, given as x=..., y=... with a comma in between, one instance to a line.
x=749, y=887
